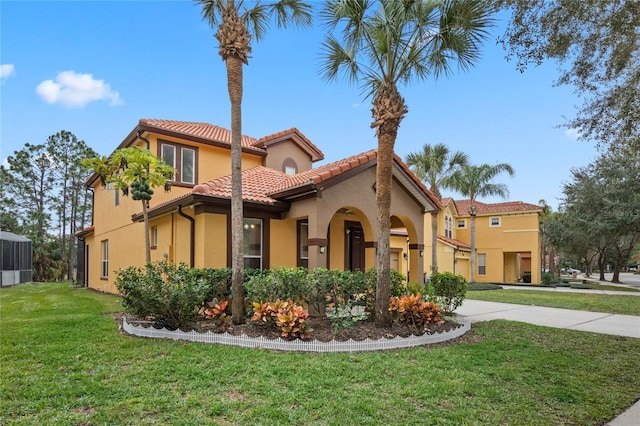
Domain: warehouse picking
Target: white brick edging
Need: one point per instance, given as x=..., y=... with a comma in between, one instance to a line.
x=350, y=345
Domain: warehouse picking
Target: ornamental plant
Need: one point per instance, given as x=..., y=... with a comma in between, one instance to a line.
x=449, y=290
x=218, y=312
x=291, y=318
x=414, y=311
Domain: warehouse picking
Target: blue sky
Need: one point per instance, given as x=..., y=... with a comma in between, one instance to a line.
x=96, y=68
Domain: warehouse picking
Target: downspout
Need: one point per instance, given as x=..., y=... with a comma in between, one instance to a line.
x=143, y=138
x=193, y=235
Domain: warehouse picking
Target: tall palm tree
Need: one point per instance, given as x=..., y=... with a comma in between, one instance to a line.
x=476, y=181
x=236, y=22
x=545, y=214
x=383, y=44
x=435, y=165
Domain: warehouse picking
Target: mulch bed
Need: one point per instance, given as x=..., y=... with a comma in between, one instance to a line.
x=322, y=329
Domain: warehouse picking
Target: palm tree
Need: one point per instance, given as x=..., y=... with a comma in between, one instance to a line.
x=476, y=181
x=236, y=22
x=435, y=165
x=387, y=43
x=545, y=215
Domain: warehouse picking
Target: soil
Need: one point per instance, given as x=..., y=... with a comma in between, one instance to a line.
x=322, y=329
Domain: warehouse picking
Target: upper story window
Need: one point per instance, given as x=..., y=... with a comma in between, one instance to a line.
x=462, y=223
x=448, y=227
x=494, y=221
x=183, y=159
x=289, y=166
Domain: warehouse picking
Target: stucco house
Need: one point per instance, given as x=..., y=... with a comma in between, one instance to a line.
x=295, y=214
x=507, y=240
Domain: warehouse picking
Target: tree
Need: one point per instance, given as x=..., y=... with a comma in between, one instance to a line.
x=477, y=181
x=236, y=22
x=604, y=199
x=597, y=45
x=546, y=248
x=137, y=171
x=29, y=185
x=435, y=165
x=387, y=43
x=66, y=153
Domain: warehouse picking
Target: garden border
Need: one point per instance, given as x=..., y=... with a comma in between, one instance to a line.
x=298, y=345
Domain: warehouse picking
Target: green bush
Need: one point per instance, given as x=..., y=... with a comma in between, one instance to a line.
x=278, y=284
x=483, y=286
x=548, y=278
x=171, y=295
x=449, y=290
x=526, y=277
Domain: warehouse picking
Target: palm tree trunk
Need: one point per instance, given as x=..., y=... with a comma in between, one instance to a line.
x=384, y=177
x=234, y=86
x=147, y=244
x=473, y=248
x=434, y=242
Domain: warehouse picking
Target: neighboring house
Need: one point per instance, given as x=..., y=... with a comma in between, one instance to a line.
x=507, y=240
x=295, y=215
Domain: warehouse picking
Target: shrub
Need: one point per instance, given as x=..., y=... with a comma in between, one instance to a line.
x=548, y=278
x=291, y=318
x=526, y=277
x=278, y=283
x=414, y=311
x=449, y=290
x=172, y=295
x=483, y=286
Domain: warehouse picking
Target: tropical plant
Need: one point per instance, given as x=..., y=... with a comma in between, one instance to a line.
x=291, y=318
x=236, y=22
x=435, y=165
x=137, y=171
x=387, y=43
x=477, y=181
x=414, y=311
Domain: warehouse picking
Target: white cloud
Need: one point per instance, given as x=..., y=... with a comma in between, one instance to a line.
x=6, y=71
x=573, y=134
x=76, y=90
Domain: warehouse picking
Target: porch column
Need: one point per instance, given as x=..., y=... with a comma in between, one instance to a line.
x=416, y=263
x=318, y=252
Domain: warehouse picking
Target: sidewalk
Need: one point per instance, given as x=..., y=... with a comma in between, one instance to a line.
x=571, y=290
x=596, y=322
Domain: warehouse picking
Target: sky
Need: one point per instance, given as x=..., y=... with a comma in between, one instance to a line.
x=95, y=68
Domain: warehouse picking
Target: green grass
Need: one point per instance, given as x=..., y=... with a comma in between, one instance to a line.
x=614, y=304
x=64, y=362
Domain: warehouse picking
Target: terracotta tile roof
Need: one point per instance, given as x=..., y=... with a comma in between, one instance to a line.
x=199, y=130
x=446, y=201
x=86, y=231
x=454, y=242
x=320, y=174
x=462, y=207
x=315, y=152
x=257, y=183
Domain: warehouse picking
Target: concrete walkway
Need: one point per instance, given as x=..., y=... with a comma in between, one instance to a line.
x=596, y=322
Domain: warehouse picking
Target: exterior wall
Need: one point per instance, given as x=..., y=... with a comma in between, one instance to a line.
x=211, y=240
x=284, y=243
x=399, y=244
x=277, y=153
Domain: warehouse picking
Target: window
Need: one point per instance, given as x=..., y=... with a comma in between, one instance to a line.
x=105, y=259
x=303, y=243
x=462, y=223
x=289, y=166
x=494, y=221
x=116, y=192
x=183, y=159
x=448, y=227
x=482, y=264
x=154, y=237
x=252, y=243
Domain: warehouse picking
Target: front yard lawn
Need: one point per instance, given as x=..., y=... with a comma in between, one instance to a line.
x=64, y=362
x=613, y=304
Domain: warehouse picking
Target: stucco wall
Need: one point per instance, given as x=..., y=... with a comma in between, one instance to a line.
x=277, y=153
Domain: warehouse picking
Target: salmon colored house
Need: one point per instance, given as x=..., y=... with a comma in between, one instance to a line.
x=294, y=214
x=507, y=240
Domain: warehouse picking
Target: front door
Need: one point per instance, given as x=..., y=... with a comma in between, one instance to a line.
x=354, y=246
